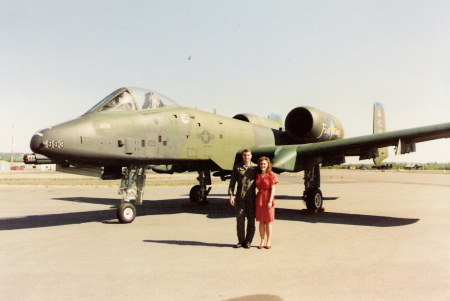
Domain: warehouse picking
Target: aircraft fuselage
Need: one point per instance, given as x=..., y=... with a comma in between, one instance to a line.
x=169, y=135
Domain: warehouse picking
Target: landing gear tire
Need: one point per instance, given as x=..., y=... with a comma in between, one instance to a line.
x=313, y=199
x=196, y=195
x=126, y=213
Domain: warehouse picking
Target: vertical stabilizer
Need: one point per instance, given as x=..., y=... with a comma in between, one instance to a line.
x=379, y=126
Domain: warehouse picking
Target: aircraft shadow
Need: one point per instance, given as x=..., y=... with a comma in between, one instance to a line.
x=278, y=197
x=299, y=198
x=216, y=208
x=51, y=220
x=343, y=218
x=189, y=243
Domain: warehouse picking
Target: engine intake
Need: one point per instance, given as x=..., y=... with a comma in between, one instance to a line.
x=306, y=125
x=268, y=122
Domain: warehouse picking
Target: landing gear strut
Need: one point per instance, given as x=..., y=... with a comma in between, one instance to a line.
x=312, y=196
x=131, y=189
x=199, y=193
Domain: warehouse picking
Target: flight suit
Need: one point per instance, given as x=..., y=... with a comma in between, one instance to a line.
x=244, y=200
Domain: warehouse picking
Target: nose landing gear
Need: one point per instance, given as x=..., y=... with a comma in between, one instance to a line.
x=131, y=189
x=199, y=193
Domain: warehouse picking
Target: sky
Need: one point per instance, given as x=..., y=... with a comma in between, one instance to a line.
x=59, y=58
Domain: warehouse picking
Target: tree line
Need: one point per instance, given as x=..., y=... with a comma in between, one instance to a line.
x=427, y=166
x=393, y=166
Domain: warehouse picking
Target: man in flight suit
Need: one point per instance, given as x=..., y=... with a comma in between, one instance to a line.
x=244, y=175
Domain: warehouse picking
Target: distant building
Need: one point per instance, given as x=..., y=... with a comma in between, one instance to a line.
x=413, y=166
x=6, y=166
x=45, y=167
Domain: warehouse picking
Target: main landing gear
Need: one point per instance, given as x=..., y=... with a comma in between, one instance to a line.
x=131, y=189
x=199, y=193
x=312, y=196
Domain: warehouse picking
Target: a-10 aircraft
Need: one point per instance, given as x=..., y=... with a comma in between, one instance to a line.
x=134, y=129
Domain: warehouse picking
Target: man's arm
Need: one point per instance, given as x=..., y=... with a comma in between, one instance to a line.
x=232, y=186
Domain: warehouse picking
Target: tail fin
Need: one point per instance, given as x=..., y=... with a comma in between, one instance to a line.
x=379, y=126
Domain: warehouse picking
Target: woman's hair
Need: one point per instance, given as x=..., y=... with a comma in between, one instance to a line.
x=269, y=164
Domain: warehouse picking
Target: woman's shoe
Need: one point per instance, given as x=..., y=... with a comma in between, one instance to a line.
x=268, y=247
x=261, y=245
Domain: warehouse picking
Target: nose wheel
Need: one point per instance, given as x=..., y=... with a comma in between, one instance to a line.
x=126, y=213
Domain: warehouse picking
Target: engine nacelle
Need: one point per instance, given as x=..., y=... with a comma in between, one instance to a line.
x=307, y=125
x=268, y=122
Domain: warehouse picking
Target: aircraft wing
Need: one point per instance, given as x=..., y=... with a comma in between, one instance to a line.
x=298, y=157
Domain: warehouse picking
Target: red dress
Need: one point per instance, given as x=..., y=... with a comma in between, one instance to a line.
x=264, y=184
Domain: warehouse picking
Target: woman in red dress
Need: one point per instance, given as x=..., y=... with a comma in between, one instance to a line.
x=265, y=201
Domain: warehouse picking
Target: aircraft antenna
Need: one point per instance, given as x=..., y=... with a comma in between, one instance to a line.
x=12, y=146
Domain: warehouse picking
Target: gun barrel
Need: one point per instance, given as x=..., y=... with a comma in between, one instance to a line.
x=36, y=159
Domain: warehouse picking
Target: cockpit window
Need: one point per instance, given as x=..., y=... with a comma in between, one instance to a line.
x=147, y=99
x=131, y=99
x=122, y=102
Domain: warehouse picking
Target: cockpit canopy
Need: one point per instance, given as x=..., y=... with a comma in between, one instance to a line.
x=132, y=99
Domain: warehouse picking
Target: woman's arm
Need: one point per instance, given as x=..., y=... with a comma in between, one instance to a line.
x=272, y=196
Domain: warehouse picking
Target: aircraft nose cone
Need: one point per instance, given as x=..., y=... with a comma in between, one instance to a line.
x=36, y=142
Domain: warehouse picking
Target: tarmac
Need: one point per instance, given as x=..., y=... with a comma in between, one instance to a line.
x=383, y=236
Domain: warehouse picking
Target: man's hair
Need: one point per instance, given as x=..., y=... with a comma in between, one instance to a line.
x=246, y=151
